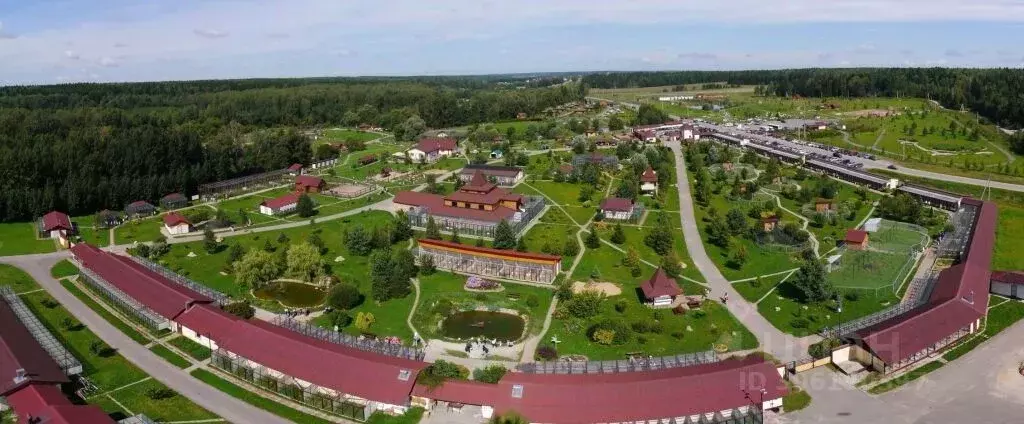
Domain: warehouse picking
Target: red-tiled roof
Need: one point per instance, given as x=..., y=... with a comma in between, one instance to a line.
x=856, y=236
x=147, y=287
x=342, y=368
x=56, y=221
x=435, y=205
x=1008, y=277
x=461, y=391
x=660, y=284
x=172, y=219
x=280, y=202
x=295, y=167
x=491, y=251
x=489, y=170
x=959, y=298
x=616, y=204
x=19, y=350
x=140, y=204
x=308, y=181
x=649, y=176
x=771, y=218
x=174, y=197
x=430, y=145
x=638, y=396
x=46, y=404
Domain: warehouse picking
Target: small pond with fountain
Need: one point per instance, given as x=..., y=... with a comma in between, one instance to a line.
x=292, y=294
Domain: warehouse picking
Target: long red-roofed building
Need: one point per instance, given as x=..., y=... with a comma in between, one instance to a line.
x=954, y=309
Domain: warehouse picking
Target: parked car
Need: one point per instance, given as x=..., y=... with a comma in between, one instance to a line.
x=892, y=166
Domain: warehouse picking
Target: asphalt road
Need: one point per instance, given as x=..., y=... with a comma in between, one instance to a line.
x=781, y=345
x=220, y=403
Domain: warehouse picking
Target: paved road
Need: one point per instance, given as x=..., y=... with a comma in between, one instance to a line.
x=225, y=406
x=982, y=386
x=868, y=163
x=783, y=346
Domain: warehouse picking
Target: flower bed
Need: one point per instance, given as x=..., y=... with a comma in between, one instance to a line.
x=474, y=283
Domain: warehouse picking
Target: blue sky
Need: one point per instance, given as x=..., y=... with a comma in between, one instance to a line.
x=46, y=41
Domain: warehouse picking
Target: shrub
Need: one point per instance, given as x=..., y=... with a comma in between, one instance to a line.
x=547, y=353
x=240, y=309
x=49, y=303
x=532, y=301
x=621, y=332
x=344, y=297
x=585, y=304
x=641, y=339
x=70, y=324
x=480, y=296
x=799, y=323
x=341, y=319
x=678, y=335
x=621, y=306
x=159, y=393
x=491, y=374
x=98, y=348
x=640, y=326
x=852, y=295
x=699, y=313
x=823, y=348
x=658, y=315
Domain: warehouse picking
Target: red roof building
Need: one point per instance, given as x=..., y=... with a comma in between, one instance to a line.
x=1008, y=277
x=295, y=167
x=308, y=184
x=431, y=145
x=649, y=176
x=175, y=219
x=20, y=351
x=616, y=204
x=626, y=396
x=54, y=221
x=174, y=201
x=478, y=200
x=856, y=239
x=164, y=297
x=45, y=403
x=958, y=301
x=660, y=288
x=769, y=222
x=280, y=205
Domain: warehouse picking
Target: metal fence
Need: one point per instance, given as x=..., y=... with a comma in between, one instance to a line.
x=367, y=344
x=245, y=183
x=623, y=365
x=124, y=303
x=218, y=297
x=50, y=342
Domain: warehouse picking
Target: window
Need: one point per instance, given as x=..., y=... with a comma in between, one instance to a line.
x=517, y=391
x=404, y=375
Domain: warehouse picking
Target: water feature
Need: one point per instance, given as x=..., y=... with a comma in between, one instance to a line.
x=490, y=325
x=292, y=294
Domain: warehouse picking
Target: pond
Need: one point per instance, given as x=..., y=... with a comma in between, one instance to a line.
x=487, y=324
x=291, y=294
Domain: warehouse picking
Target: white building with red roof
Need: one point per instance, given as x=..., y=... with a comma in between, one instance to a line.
x=176, y=224
x=660, y=289
x=649, y=181
x=280, y=205
x=431, y=149
x=1008, y=283
x=58, y=226
x=618, y=208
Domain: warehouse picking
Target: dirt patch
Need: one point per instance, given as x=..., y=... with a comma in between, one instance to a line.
x=348, y=190
x=609, y=289
x=875, y=113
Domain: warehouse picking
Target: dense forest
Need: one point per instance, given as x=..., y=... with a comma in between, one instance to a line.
x=85, y=147
x=995, y=94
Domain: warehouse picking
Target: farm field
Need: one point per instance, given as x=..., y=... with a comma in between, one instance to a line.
x=343, y=134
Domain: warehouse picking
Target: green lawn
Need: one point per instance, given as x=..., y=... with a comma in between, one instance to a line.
x=716, y=326
x=16, y=279
x=792, y=316
x=830, y=232
x=635, y=239
x=89, y=233
x=553, y=234
x=581, y=214
x=556, y=215
x=147, y=229
x=64, y=268
x=342, y=134
x=193, y=349
x=256, y=400
x=870, y=270
x=19, y=238
x=175, y=359
x=909, y=376
x=530, y=301
x=135, y=400
x=566, y=194
x=113, y=320
x=796, y=400
x=412, y=416
x=754, y=290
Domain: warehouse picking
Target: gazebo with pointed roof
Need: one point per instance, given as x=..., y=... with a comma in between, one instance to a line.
x=660, y=289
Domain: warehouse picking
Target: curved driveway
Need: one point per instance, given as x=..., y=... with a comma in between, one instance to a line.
x=781, y=345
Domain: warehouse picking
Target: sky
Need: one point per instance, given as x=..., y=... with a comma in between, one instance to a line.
x=50, y=41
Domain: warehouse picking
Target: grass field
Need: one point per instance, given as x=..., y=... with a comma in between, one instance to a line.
x=256, y=400
x=191, y=348
x=16, y=279
x=909, y=376
x=554, y=234
x=113, y=320
x=754, y=290
x=147, y=229
x=792, y=316
x=175, y=359
x=19, y=238
x=135, y=400
x=869, y=270
x=62, y=269
x=441, y=286
x=342, y=134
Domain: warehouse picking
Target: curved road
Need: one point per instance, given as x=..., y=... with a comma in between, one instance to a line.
x=781, y=345
x=216, y=401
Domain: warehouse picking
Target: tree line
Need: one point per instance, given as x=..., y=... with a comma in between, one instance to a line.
x=85, y=147
x=992, y=93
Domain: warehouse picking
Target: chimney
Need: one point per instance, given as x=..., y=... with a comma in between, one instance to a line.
x=20, y=376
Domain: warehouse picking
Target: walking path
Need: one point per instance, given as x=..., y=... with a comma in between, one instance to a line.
x=217, y=402
x=781, y=345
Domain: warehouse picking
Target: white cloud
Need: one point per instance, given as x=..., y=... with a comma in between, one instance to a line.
x=107, y=62
x=71, y=54
x=210, y=33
